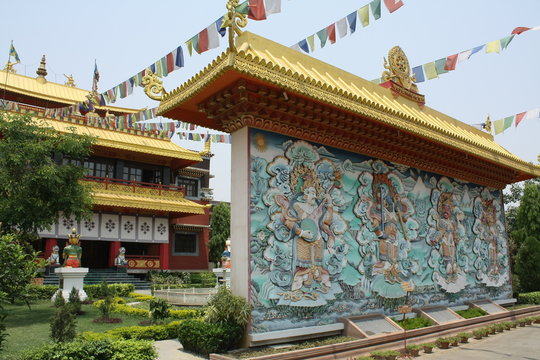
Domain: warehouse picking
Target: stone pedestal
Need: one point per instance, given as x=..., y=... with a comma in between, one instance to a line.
x=71, y=278
x=224, y=275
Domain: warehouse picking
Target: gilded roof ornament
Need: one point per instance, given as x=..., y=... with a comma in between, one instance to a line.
x=153, y=86
x=398, y=69
x=9, y=67
x=70, y=81
x=234, y=21
x=487, y=125
x=42, y=70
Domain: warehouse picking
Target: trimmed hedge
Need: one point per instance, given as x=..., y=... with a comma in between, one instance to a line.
x=152, y=332
x=41, y=292
x=175, y=314
x=529, y=298
x=414, y=323
x=471, y=313
x=140, y=297
x=96, y=350
x=45, y=292
x=204, y=338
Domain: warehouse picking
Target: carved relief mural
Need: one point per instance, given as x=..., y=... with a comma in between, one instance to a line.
x=335, y=234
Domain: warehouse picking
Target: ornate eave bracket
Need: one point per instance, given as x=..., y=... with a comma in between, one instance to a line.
x=234, y=21
x=153, y=86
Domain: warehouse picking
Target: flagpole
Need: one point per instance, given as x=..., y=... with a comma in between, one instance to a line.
x=5, y=82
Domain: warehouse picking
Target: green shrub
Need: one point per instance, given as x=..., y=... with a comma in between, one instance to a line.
x=471, y=313
x=529, y=298
x=414, y=323
x=140, y=297
x=153, y=332
x=74, y=301
x=96, y=292
x=41, y=292
x=159, y=310
x=95, y=350
x=63, y=324
x=224, y=307
x=59, y=300
x=3, y=332
x=204, y=338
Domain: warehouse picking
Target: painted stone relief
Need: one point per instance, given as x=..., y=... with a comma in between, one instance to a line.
x=335, y=234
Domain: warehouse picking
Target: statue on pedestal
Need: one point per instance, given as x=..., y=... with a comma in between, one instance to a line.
x=72, y=253
x=226, y=255
x=120, y=259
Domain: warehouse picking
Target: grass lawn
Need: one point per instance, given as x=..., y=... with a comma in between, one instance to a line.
x=28, y=328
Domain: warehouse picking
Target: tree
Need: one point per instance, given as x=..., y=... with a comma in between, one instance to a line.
x=220, y=231
x=34, y=188
x=63, y=325
x=528, y=265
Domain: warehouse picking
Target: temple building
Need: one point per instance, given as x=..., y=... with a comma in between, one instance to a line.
x=150, y=196
x=348, y=198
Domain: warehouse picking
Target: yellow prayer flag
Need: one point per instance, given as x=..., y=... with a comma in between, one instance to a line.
x=363, y=15
x=189, y=44
x=311, y=42
x=430, y=70
x=498, y=125
x=493, y=47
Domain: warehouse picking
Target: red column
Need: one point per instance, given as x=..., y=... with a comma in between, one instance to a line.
x=114, y=246
x=164, y=256
x=49, y=244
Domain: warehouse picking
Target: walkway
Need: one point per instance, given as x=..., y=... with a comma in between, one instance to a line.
x=519, y=343
x=172, y=350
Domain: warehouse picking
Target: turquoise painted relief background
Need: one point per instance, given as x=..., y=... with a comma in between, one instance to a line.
x=334, y=234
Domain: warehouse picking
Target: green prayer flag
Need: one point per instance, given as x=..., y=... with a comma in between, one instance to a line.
x=363, y=15
x=376, y=9
x=506, y=41
x=508, y=121
x=498, y=126
x=243, y=8
x=163, y=62
x=323, y=36
x=311, y=42
x=430, y=70
x=439, y=66
x=195, y=42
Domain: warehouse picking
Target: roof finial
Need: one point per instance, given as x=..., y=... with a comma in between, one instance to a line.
x=70, y=81
x=42, y=70
x=234, y=21
x=487, y=125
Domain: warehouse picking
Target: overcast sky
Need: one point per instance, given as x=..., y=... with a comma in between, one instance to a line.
x=126, y=36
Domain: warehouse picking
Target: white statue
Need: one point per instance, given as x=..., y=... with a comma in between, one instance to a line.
x=120, y=259
x=54, y=259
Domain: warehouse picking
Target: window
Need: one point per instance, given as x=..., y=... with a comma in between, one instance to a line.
x=132, y=173
x=186, y=244
x=191, y=185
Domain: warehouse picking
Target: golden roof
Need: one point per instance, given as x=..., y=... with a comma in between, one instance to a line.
x=264, y=60
x=61, y=93
x=130, y=142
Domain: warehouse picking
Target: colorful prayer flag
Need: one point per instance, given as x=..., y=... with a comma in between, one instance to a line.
x=464, y=55
x=520, y=29
x=213, y=37
x=311, y=42
x=418, y=74
x=96, y=77
x=363, y=14
x=508, y=121
x=256, y=10
x=520, y=117
x=430, y=70
x=179, y=58
x=272, y=7
x=376, y=9
x=243, y=8
x=323, y=36
x=506, y=41
x=342, y=27
x=222, y=31
x=493, y=47
x=351, y=19
x=533, y=114
x=477, y=49
x=304, y=45
x=498, y=126
x=189, y=45
x=331, y=30
x=451, y=62
x=203, y=41
x=13, y=52
x=393, y=5
x=439, y=66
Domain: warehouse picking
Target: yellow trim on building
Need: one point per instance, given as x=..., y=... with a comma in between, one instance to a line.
x=294, y=71
x=145, y=203
x=130, y=142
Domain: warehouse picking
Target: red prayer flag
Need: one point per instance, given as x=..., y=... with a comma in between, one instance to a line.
x=203, y=41
x=520, y=29
x=393, y=5
x=331, y=30
x=256, y=10
x=520, y=117
x=451, y=62
x=170, y=62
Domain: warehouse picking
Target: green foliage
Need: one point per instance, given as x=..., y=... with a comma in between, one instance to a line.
x=105, y=349
x=130, y=310
x=153, y=332
x=74, y=301
x=18, y=266
x=528, y=264
x=63, y=325
x=471, y=313
x=414, y=347
x=529, y=298
x=140, y=297
x=3, y=333
x=204, y=338
x=107, y=305
x=159, y=310
x=34, y=188
x=224, y=307
x=220, y=231
x=96, y=291
x=414, y=323
x=59, y=300
x=41, y=292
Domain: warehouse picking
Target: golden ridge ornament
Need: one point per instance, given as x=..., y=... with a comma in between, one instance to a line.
x=153, y=86
x=234, y=21
x=398, y=69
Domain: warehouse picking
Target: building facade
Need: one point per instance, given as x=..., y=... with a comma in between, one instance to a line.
x=150, y=196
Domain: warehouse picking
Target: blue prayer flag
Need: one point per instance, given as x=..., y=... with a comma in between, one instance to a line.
x=304, y=45
x=222, y=31
x=418, y=74
x=351, y=18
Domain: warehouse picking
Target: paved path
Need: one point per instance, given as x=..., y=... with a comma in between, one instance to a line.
x=519, y=343
x=172, y=350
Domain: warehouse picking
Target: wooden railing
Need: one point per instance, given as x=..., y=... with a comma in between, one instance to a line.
x=138, y=187
x=142, y=261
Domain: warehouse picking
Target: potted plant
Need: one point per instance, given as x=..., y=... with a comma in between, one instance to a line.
x=391, y=354
x=514, y=324
x=537, y=320
x=492, y=329
x=522, y=322
x=529, y=320
x=428, y=347
x=499, y=327
x=378, y=354
x=454, y=340
x=443, y=343
x=479, y=333
x=464, y=337
x=413, y=349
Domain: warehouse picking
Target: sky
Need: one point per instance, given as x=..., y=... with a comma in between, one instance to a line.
x=125, y=37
